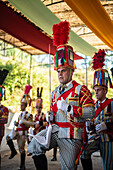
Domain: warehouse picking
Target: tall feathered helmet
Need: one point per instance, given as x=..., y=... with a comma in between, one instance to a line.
x=64, y=56
x=26, y=97
x=3, y=75
x=39, y=100
x=101, y=76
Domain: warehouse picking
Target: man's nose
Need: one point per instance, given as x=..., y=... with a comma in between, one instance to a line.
x=96, y=92
x=60, y=73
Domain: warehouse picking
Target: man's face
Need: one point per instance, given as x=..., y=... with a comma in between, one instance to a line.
x=23, y=106
x=64, y=75
x=100, y=93
x=39, y=109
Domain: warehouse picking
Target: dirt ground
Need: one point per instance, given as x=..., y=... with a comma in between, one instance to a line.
x=13, y=164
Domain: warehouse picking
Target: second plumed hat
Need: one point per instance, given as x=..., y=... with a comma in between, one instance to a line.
x=101, y=76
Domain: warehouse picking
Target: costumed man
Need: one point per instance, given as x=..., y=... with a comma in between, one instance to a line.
x=70, y=107
x=40, y=117
x=25, y=120
x=100, y=130
x=4, y=112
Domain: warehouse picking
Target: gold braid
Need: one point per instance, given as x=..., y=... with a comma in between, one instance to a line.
x=85, y=94
x=68, y=118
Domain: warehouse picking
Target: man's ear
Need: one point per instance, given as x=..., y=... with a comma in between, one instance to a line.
x=72, y=72
x=106, y=90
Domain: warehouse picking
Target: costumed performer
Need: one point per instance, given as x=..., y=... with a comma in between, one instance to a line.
x=72, y=104
x=100, y=137
x=25, y=120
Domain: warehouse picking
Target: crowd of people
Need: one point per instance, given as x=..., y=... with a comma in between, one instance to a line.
x=75, y=124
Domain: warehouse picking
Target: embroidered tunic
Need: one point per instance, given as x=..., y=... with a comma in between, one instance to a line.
x=3, y=118
x=41, y=118
x=81, y=101
x=106, y=115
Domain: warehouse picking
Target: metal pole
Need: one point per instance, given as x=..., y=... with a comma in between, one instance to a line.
x=31, y=79
x=86, y=70
x=49, y=77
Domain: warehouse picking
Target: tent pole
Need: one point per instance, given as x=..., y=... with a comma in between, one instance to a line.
x=86, y=70
x=31, y=79
x=49, y=78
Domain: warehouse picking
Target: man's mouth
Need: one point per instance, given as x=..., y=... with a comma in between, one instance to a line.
x=60, y=77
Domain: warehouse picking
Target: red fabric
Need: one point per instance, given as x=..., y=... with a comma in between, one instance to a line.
x=4, y=112
x=103, y=105
x=23, y=128
x=16, y=26
x=85, y=99
x=85, y=96
x=1, y=125
x=68, y=124
x=71, y=125
x=77, y=57
x=77, y=111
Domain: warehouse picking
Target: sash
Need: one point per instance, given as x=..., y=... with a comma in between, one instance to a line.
x=2, y=111
x=70, y=124
x=103, y=105
x=64, y=95
x=23, y=128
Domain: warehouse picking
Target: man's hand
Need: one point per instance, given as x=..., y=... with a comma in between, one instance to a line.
x=101, y=126
x=15, y=123
x=90, y=127
x=37, y=125
x=87, y=125
x=49, y=116
x=62, y=104
x=21, y=121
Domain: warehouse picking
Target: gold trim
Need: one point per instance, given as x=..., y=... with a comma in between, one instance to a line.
x=5, y=116
x=87, y=105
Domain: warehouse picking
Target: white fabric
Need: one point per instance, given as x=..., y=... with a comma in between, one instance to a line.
x=101, y=102
x=41, y=139
x=20, y=121
x=37, y=122
x=87, y=125
x=62, y=104
x=49, y=116
x=30, y=132
x=101, y=126
x=12, y=134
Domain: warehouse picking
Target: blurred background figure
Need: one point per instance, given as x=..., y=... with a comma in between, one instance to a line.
x=25, y=120
x=40, y=117
x=3, y=110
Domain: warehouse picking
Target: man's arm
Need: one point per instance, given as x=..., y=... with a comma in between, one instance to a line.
x=86, y=108
x=4, y=117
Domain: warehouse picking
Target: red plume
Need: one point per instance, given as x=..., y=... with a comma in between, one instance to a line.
x=27, y=89
x=61, y=33
x=64, y=32
x=98, y=59
x=56, y=34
